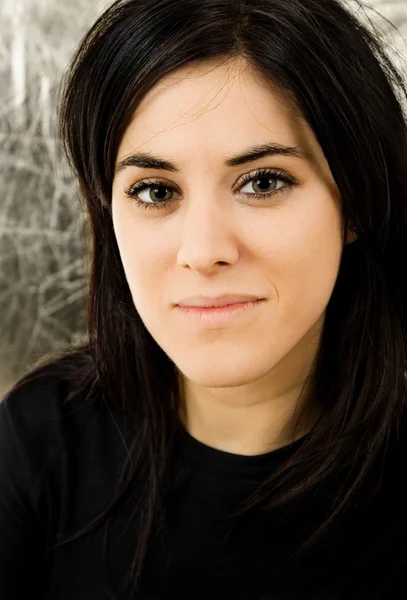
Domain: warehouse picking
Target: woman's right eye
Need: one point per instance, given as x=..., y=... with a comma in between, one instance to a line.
x=156, y=195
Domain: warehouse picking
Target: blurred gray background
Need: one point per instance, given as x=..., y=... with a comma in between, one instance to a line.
x=43, y=233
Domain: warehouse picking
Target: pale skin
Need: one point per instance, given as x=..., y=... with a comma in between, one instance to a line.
x=240, y=382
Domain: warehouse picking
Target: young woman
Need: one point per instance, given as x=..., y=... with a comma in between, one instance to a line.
x=234, y=426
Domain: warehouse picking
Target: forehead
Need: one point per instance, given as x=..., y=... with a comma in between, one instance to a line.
x=215, y=107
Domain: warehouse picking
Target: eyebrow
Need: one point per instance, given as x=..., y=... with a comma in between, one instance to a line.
x=145, y=160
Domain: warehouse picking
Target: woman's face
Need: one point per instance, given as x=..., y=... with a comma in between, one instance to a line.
x=215, y=236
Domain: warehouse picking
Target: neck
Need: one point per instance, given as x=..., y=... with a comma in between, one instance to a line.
x=259, y=416
x=222, y=419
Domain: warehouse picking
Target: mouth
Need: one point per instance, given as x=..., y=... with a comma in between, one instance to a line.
x=214, y=316
x=219, y=301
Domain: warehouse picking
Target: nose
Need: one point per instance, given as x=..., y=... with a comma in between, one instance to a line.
x=209, y=235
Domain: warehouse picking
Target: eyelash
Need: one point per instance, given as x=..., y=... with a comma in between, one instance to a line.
x=260, y=173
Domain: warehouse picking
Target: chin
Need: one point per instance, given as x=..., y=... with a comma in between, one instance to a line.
x=221, y=374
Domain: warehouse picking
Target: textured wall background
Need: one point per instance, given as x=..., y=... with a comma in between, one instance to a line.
x=43, y=264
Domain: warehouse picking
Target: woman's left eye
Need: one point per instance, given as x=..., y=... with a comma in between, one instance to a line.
x=264, y=184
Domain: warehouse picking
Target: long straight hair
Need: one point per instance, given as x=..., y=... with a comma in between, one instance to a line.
x=339, y=77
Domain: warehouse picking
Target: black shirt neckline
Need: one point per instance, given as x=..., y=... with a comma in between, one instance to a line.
x=228, y=463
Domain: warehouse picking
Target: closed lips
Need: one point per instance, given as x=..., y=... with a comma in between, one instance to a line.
x=213, y=302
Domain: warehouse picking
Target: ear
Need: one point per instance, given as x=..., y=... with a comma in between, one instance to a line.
x=350, y=236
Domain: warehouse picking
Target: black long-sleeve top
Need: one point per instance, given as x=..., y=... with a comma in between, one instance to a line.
x=58, y=466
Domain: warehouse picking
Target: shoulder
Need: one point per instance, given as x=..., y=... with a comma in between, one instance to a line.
x=36, y=466
x=36, y=412
x=36, y=394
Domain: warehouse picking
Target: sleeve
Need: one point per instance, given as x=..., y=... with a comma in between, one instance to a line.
x=22, y=530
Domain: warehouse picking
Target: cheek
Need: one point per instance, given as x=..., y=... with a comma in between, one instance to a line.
x=140, y=256
x=307, y=269
x=145, y=276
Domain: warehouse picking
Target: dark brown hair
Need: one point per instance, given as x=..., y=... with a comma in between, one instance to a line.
x=341, y=80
